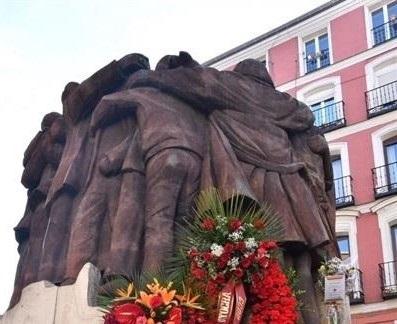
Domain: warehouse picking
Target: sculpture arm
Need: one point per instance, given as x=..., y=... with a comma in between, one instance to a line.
x=110, y=108
x=112, y=162
x=84, y=98
x=199, y=87
x=297, y=116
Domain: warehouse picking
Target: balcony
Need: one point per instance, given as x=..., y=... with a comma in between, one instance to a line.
x=343, y=192
x=387, y=272
x=385, y=32
x=382, y=99
x=385, y=180
x=316, y=61
x=356, y=296
x=330, y=117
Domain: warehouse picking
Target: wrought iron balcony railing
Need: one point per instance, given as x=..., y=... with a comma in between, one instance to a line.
x=315, y=61
x=382, y=99
x=356, y=296
x=385, y=32
x=343, y=192
x=330, y=117
x=388, y=279
x=385, y=180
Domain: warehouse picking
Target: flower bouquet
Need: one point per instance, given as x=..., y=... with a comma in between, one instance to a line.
x=156, y=304
x=230, y=252
x=227, y=255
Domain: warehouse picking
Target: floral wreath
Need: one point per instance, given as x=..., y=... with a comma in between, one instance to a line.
x=225, y=270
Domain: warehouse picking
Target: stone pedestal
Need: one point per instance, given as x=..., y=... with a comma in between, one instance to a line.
x=44, y=303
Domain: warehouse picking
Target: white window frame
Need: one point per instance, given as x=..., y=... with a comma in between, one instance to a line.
x=384, y=63
x=387, y=217
x=378, y=138
x=341, y=149
x=368, y=18
x=321, y=90
x=302, y=39
x=346, y=224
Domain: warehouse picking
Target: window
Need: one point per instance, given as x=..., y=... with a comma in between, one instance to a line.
x=325, y=99
x=342, y=184
x=390, y=151
x=338, y=178
x=326, y=112
x=382, y=84
x=317, y=53
x=384, y=23
x=393, y=230
x=385, y=176
x=344, y=246
x=387, y=218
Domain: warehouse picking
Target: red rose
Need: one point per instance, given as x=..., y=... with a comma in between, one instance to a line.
x=229, y=248
x=259, y=224
x=247, y=262
x=198, y=273
x=212, y=289
x=207, y=256
x=239, y=272
x=268, y=245
x=156, y=301
x=141, y=320
x=240, y=246
x=110, y=319
x=220, y=278
x=175, y=316
x=127, y=313
x=234, y=224
x=208, y=224
x=223, y=260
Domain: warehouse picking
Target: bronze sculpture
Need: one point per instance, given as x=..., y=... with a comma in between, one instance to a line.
x=140, y=145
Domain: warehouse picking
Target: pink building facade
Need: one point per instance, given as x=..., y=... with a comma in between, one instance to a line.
x=341, y=60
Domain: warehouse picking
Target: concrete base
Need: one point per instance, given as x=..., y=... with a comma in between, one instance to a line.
x=44, y=303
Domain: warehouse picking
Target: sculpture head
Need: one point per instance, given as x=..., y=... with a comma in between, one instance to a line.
x=134, y=62
x=49, y=119
x=184, y=59
x=254, y=69
x=69, y=88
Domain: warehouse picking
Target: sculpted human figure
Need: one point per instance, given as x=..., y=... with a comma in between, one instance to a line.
x=110, y=215
x=71, y=178
x=40, y=161
x=172, y=141
x=139, y=146
x=250, y=126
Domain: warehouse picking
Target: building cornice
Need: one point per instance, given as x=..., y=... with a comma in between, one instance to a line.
x=302, y=25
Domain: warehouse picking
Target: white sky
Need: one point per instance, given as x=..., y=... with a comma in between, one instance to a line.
x=45, y=44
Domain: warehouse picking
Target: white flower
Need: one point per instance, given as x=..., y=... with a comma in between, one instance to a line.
x=221, y=220
x=216, y=249
x=233, y=263
x=250, y=243
x=236, y=236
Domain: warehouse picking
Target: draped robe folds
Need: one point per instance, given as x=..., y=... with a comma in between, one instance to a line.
x=71, y=177
x=250, y=150
x=172, y=145
x=41, y=160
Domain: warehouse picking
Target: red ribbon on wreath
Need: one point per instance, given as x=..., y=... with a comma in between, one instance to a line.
x=231, y=303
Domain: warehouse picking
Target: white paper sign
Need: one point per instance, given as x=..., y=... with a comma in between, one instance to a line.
x=334, y=288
